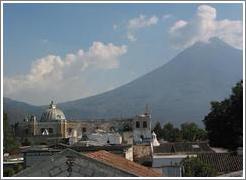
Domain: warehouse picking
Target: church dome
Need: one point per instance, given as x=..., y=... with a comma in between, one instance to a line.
x=52, y=114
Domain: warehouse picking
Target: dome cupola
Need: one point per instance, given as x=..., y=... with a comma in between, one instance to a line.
x=52, y=114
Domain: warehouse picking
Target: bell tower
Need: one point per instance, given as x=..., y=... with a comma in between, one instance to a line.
x=142, y=127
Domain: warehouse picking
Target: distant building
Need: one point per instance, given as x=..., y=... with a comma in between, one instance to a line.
x=53, y=126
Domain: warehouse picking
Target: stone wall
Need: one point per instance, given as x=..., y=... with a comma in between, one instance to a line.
x=141, y=151
x=127, y=137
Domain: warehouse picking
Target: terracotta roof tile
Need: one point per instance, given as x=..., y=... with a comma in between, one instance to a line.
x=223, y=162
x=123, y=164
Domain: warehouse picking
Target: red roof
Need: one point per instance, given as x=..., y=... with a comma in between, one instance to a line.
x=123, y=164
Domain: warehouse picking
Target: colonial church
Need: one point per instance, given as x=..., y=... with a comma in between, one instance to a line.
x=53, y=124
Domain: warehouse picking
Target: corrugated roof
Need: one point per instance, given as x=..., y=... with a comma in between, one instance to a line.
x=123, y=164
x=223, y=162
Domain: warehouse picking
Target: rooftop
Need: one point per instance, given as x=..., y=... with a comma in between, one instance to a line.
x=97, y=164
x=223, y=162
x=39, y=149
x=123, y=164
x=182, y=147
x=83, y=148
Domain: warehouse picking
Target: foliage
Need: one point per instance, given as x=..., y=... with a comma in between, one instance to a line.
x=18, y=168
x=157, y=129
x=9, y=141
x=188, y=132
x=224, y=123
x=8, y=172
x=191, y=132
x=170, y=133
x=194, y=167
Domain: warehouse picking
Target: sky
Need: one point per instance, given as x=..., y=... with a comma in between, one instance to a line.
x=64, y=52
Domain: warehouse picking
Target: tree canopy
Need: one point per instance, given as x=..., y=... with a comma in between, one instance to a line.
x=187, y=132
x=194, y=167
x=9, y=141
x=224, y=123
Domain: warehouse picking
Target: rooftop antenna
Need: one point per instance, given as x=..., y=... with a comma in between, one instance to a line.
x=146, y=109
x=51, y=103
x=148, y=113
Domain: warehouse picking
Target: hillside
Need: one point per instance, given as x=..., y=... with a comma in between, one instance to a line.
x=178, y=91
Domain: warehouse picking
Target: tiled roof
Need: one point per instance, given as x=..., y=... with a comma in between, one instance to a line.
x=183, y=147
x=123, y=164
x=223, y=162
x=82, y=148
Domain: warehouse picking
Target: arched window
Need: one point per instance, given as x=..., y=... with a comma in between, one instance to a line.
x=137, y=124
x=83, y=130
x=145, y=124
x=69, y=130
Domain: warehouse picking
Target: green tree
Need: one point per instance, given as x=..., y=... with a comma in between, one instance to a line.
x=18, y=168
x=158, y=131
x=9, y=141
x=8, y=172
x=189, y=131
x=170, y=133
x=224, y=123
x=166, y=131
x=194, y=167
x=201, y=134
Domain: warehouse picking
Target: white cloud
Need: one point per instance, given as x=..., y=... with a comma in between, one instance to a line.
x=179, y=24
x=166, y=16
x=138, y=23
x=130, y=36
x=52, y=76
x=204, y=26
x=142, y=21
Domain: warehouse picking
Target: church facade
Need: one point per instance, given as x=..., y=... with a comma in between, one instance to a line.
x=53, y=124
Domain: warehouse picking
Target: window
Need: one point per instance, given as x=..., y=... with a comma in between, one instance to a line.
x=145, y=124
x=26, y=131
x=142, y=137
x=83, y=129
x=69, y=130
x=50, y=130
x=137, y=124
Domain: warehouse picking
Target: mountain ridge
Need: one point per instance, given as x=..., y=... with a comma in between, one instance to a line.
x=180, y=90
